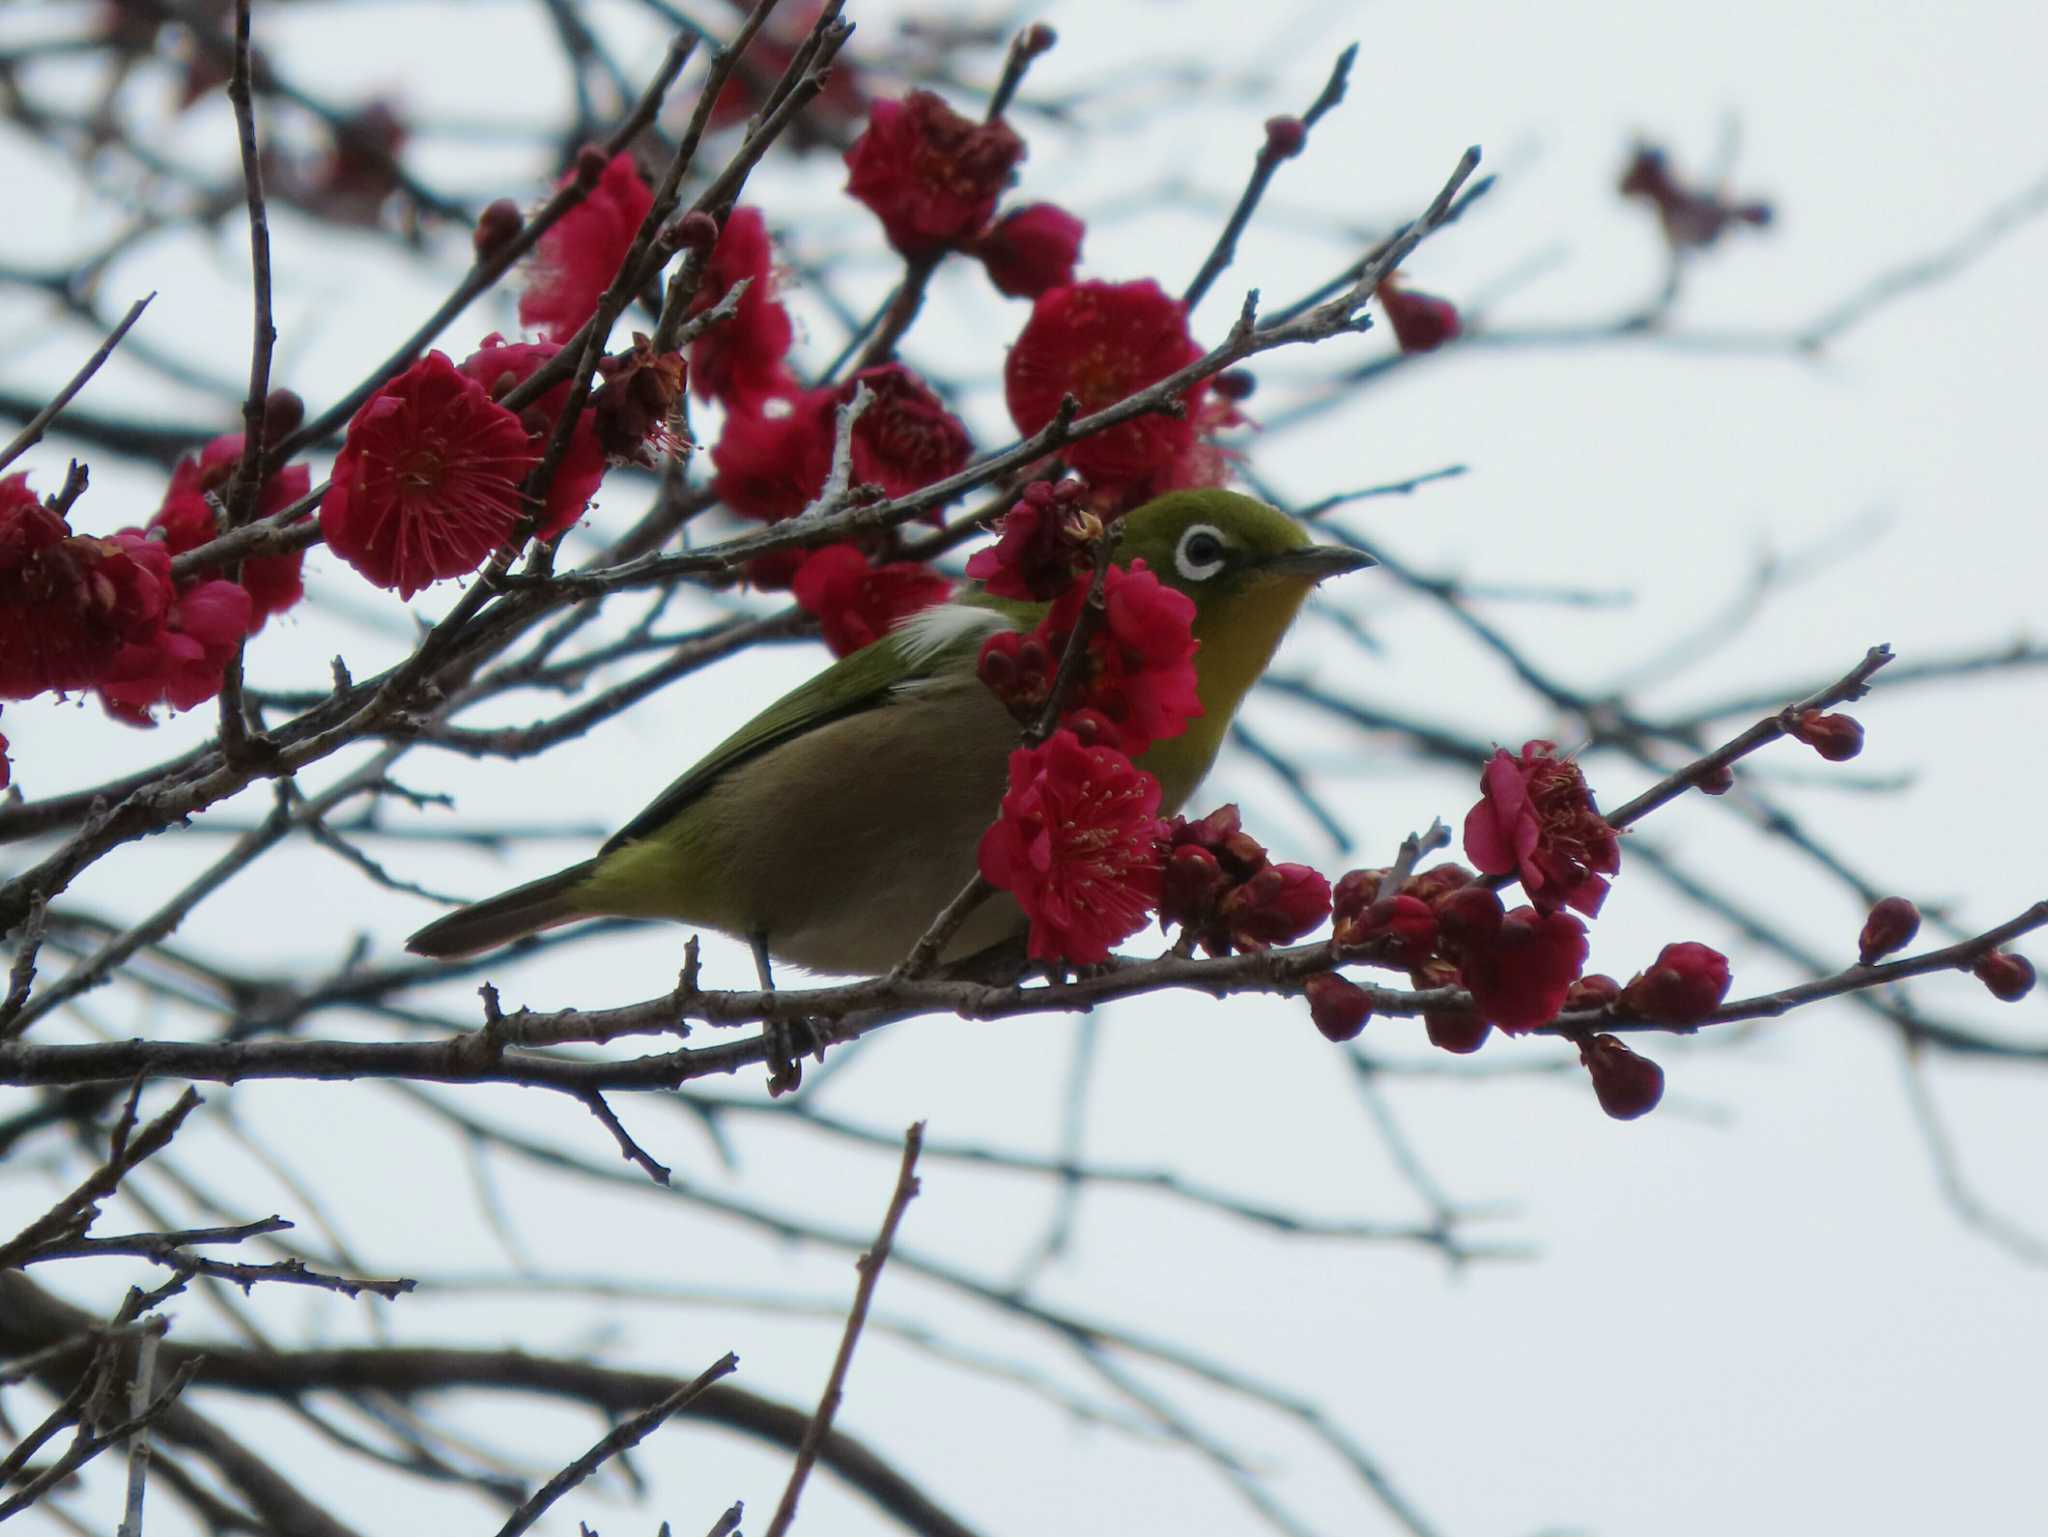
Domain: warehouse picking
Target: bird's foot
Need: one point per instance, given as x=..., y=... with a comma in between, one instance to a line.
x=788, y=1042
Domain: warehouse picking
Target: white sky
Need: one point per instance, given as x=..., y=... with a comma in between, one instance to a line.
x=1753, y=1310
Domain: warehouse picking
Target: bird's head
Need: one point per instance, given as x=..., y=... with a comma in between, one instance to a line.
x=1231, y=553
x=1248, y=567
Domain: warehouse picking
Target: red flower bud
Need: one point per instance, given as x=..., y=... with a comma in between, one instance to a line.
x=1891, y=926
x=1284, y=137
x=1031, y=250
x=1093, y=728
x=2010, y=977
x=1238, y=384
x=1458, y=1030
x=1715, y=781
x=1406, y=925
x=1339, y=1007
x=1626, y=1085
x=1276, y=906
x=1836, y=738
x=1193, y=883
x=1356, y=890
x=1684, y=987
x=283, y=410
x=591, y=164
x=1438, y=882
x=1594, y=991
x=497, y=227
x=694, y=231
x=1421, y=322
x=1470, y=918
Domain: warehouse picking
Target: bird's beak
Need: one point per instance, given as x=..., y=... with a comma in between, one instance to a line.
x=1316, y=562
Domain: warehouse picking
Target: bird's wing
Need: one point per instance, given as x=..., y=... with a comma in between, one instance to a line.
x=922, y=646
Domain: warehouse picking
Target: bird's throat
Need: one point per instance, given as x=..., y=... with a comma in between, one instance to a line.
x=1239, y=632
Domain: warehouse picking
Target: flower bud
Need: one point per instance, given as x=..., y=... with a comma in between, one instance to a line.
x=497, y=227
x=2010, y=977
x=1836, y=738
x=1339, y=1007
x=1458, y=1030
x=1684, y=987
x=1356, y=890
x=694, y=231
x=1891, y=926
x=1093, y=728
x=1276, y=906
x=1718, y=780
x=1189, y=888
x=1036, y=39
x=1031, y=249
x=1469, y=918
x=1236, y=385
x=1405, y=926
x=1284, y=137
x=283, y=410
x=1438, y=882
x=1626, y=1085
x=1421, y=322
x=591, y=164
x=1461, y=1030
x=1594, y=991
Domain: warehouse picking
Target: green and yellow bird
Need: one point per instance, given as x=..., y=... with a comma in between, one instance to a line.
x=834, y=826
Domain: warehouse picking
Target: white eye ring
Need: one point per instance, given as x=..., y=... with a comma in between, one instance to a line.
x=1201, y=553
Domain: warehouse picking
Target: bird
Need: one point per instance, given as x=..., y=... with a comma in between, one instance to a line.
x=832, y=828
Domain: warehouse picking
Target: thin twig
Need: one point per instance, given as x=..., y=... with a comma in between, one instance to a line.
x=38, y=424
x=1272, y=152
x=870, y=1267
x=626, y=1435
x=138, y=1445
x=630, y=1150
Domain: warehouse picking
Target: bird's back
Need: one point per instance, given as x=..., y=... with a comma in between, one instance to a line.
x=841, y=843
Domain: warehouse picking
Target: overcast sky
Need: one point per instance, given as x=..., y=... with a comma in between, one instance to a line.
x=1752, y=1311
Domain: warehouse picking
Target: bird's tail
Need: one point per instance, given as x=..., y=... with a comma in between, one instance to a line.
x=510, y=915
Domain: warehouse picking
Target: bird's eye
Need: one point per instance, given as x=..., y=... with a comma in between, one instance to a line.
x=1201, y=553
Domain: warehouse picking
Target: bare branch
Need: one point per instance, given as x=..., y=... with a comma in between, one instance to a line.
x=623, y=1437
x=38, y=424
x=870, y=1266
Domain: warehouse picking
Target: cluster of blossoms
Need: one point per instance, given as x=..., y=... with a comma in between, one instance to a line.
x=1079, y=842
x=1535, y=823
x=773, y=463
x=1448, y=927
x=933, y=178
x=1226, y=894
x=432, y=474
x=81, y=612
x=1135, y=682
